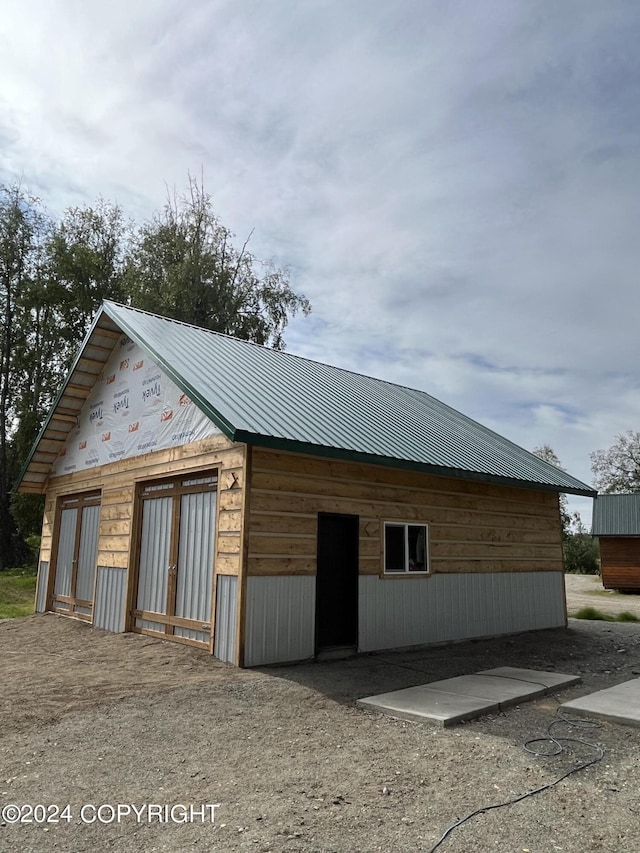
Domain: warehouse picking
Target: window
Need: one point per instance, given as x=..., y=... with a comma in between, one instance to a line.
x=405, y=548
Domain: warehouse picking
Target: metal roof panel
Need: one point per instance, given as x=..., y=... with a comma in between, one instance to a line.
x=265, y=395
x=262, y=396
x=616, y=515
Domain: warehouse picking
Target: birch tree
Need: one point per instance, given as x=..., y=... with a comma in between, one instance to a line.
x=184, y=265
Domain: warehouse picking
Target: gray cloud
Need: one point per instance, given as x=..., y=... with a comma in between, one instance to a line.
x=454, y=185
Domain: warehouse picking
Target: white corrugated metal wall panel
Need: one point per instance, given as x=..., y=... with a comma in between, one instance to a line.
x=110, y=599
x=280, y=620
x=154, y=557
x=226, y=620
x=195, y=561
x=66, y=546
x=396, y=613
x=87, y=553
x=43, y=580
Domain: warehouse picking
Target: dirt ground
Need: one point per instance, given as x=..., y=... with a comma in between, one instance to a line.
x=587, y=591
x=90, y=719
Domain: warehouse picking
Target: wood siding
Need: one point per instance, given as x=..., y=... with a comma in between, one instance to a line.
x=473, y=527
x=117, y=483
x=620, y=562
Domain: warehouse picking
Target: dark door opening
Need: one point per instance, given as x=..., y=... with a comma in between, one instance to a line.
x=337, y=582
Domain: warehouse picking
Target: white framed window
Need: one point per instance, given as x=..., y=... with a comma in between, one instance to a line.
x=406, y=548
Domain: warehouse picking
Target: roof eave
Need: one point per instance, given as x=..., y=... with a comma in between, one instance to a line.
x=53, y=408
x=597, y=535
x=293, y=446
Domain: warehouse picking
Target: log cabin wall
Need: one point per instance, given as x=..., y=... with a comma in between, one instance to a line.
x=620, y=562
x=119, y=527
x=495, y=555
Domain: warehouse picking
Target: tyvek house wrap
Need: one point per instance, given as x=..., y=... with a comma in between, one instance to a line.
x=134, y=408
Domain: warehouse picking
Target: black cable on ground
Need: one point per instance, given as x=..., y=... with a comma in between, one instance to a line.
x=557, y=748
x=556, y=742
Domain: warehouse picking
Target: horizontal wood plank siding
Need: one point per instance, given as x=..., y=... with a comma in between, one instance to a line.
x=473, y=527
x=620, y=562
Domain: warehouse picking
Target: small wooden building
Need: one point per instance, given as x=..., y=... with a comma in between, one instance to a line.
x=616, y=523
x=270, y=508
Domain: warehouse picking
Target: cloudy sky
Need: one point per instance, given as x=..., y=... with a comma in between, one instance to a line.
x=454, y=184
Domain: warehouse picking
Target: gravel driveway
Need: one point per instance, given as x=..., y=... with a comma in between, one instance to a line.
x=587, y=591
x=91, y=718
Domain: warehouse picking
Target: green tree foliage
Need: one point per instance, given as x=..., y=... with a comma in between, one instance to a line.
x=88, y=252
x=184, y=265
x=23, y=228
x=580, y=552
x=54, y=276
x=617, y=470
x=546, y=453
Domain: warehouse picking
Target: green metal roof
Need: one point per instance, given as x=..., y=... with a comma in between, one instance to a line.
x=270, y=398
x=616, y=515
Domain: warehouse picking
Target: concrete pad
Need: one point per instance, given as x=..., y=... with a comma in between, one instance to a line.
x=550, y=680
x=619, y=704
x=493, y=687
x=423, y=704
x=466, y=696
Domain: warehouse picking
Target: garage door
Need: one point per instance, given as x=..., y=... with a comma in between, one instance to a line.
x=75, y=563
x=175, y=571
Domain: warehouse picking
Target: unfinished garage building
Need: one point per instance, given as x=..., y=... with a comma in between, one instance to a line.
x=269, y=508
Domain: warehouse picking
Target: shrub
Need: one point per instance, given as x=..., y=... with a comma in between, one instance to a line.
x=592, y=613
x=581, y=554
x=625, y=616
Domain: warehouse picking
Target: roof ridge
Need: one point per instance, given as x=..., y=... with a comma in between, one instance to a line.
x=304, y=358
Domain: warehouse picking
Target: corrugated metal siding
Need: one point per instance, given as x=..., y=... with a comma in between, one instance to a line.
x=85, y=577
x=280, y=619
x=195, y=561
x=110, y=599
x=66, y=546
x=616, y=515
x=254, y=392
x=43, y=580
x=226, y=618
x=395, y=613
x=154, y=556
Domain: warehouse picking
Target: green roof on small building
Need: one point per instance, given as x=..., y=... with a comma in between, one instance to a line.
x=616, y=515
x=274, y=399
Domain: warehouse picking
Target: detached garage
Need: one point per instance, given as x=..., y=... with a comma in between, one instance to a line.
x=270, y=508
